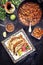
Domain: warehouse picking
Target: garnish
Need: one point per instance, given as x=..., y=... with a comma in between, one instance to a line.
x=12, y=17
x=16, y=2
x=27, y=47
x=23, y=48
x=2, y=14
x=4, y=34
x=20, y=52
x=4, y=1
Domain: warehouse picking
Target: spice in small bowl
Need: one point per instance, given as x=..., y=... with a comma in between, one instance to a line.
x=10, y=27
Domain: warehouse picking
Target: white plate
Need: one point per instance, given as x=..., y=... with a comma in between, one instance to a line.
x=13, y=56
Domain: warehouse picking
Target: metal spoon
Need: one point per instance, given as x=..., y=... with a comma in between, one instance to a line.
x=30, y=29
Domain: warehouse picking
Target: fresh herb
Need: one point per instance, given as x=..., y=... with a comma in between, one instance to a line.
x=27, y=47
x=4, y=1
x=2, y=14
x=16, y=2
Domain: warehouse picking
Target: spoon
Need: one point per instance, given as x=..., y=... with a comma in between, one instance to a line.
x=30, y=29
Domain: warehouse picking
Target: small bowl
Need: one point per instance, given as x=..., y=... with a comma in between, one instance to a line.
x=9, y=8
x=9, y=27
x=39, y=33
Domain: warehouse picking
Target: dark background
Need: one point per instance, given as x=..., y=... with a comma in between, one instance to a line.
x=35, y=58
